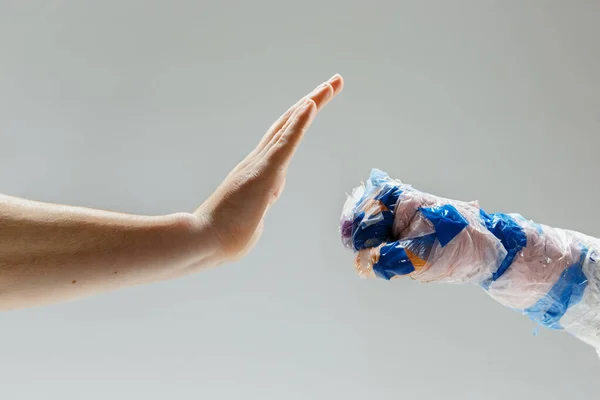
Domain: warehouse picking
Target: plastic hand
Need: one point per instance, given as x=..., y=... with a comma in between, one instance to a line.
x=399, y=231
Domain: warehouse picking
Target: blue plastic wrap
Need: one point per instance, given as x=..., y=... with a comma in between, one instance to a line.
x=548, y=274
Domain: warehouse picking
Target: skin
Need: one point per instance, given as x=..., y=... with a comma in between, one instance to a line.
x=51, y=253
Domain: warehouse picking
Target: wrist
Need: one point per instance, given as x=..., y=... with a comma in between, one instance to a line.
x=183, y=244
x=199, y=242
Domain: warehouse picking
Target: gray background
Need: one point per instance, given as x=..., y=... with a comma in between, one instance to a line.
x=144, y=106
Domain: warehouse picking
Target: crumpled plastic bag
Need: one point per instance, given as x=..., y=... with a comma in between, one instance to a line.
x=549, y=274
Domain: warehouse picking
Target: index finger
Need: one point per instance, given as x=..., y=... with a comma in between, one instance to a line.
x=321, y=95
x=285, y=142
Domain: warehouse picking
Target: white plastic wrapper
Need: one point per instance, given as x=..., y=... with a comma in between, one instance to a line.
x=548, y=274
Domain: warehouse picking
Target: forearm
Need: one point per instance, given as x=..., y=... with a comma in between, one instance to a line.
x=50, y=253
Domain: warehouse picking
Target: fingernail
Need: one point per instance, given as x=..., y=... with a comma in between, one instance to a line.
x=317, y=89
x=333, y=78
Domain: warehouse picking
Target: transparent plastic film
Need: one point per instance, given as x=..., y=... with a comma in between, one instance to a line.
x=549, y=274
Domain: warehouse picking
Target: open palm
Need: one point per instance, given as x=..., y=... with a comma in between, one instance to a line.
x=237, y=208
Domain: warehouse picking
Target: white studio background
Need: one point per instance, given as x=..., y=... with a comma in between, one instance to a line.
x=144, y=106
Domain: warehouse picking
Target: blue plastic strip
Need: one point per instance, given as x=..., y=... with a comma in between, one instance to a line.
x=393, y=261
x=366, y=234
x=510, y=234
x=446, y=220
x=389, y=196
x=377, y=178
x=524, y=220
x=421, y=246
x=565, y=293
x=377, y=229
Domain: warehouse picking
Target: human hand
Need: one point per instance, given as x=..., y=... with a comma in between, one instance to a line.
x=236, y=210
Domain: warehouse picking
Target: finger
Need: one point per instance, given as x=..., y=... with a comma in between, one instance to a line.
x=334, y=86
x=337, y=83
x=277, y=126
x=266, y=148
x=281, y=152
x=321, y=95
x=326, y=91
x=285, y=126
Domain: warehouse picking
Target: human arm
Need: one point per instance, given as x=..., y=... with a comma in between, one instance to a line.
x=51, y=253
